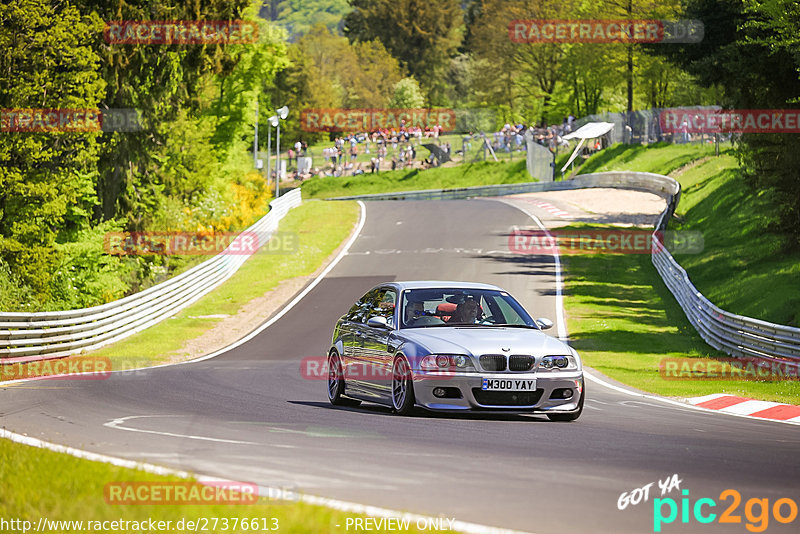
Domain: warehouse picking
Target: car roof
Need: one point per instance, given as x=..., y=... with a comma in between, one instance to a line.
x=439, y=284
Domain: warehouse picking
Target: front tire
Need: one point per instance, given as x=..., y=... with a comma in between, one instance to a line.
x=402, y=387
x=336, y=383
x=567, y=417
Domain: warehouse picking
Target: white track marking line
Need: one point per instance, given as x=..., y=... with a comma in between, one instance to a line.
x=263, y=490
x=749, y=407
x=562, y=334
x=676, y=403
x=560, y=320
x=117, y=425
x=266, y=491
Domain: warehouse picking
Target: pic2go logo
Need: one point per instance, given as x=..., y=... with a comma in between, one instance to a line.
x=756, y=511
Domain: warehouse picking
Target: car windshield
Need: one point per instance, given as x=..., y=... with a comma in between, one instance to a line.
x=425, y=308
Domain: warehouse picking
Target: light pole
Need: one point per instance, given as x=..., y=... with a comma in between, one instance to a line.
x=255, y=141
x=275, y=123
x=280, y=114
x=269, y=149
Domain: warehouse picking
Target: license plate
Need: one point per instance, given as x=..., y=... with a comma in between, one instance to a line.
x=508, y=384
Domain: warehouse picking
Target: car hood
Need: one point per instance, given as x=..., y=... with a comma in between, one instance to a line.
x=485, y=340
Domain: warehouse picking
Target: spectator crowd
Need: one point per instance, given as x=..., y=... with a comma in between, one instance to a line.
x=392, y=149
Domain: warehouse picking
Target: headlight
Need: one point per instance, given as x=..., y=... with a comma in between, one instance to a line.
x=438, y=362
x=558, y=362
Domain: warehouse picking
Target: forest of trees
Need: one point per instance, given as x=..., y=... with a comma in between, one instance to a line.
x=187, y=169
x=190, y=166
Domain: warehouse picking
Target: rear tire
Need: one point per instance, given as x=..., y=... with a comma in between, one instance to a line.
x=402, y=387
x=567, y=417
x=336, y=383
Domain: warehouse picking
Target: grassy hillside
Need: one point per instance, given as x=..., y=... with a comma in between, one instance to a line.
x=624, y=320
x=742, y=267
x=661, y=158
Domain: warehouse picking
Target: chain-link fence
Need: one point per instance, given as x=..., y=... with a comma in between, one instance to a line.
x=644, y=127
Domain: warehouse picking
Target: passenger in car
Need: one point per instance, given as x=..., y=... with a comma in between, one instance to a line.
x=414, y=309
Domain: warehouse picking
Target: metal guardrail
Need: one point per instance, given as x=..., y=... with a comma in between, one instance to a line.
x=44, y=335
x=643, y=181
x=733, y=334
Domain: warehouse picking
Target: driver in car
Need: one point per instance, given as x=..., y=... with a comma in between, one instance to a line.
x=466, y=312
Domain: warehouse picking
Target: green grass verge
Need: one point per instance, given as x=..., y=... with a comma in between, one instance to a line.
x=483, y=173
x=623, y=321
x=742, y=268
x=40, y=483
x=317, y=229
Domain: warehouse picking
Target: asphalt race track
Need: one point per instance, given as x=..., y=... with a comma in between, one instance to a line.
x=249, y=415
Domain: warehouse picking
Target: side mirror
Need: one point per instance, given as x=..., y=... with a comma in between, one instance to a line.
x=377, y=322
x=544, y=323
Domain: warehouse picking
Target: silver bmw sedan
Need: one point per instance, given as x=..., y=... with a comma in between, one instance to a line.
x=451, y=347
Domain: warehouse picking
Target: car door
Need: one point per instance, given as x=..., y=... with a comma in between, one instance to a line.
x=347, y=330
x=357, y=364
x=375, y=345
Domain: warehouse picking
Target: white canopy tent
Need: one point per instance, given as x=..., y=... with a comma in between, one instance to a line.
x=590, y=130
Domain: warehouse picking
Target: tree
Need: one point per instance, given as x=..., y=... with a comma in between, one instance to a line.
x=159, y=80
x=44, y=177
x=636, y=10
x=407, y=95
x=422, y=35
x=750, y=51
x=299, y=16
x=56, y=188
x=327, y=71
x=518, y=76
x=585, y=75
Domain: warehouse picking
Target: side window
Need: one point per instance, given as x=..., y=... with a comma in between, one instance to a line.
x=359, y=313
x=354, y=312
x=382, y=304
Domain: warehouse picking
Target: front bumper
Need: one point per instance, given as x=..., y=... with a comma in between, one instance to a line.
x=473, y=398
